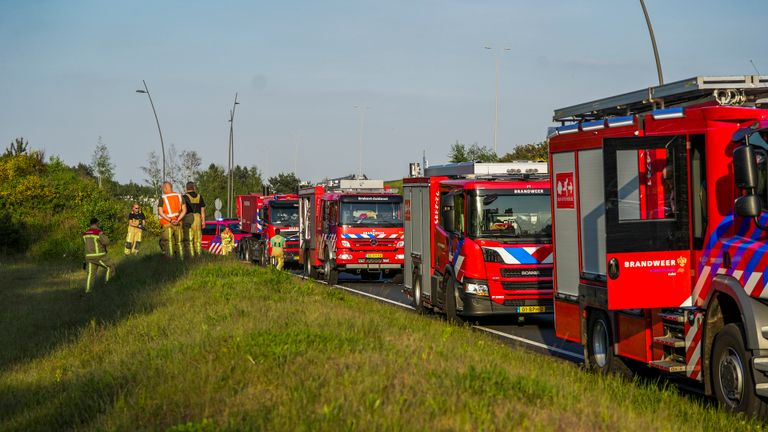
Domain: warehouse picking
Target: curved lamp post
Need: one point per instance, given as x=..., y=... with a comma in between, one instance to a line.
x=159, y=131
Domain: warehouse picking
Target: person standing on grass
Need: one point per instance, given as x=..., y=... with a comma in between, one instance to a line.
x=171, y=211
x=95, y=243
x=194, y=221
x=135, y=226
x=227, y=241
x=278, y=245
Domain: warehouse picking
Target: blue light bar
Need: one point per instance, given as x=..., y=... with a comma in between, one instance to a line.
x=551, y=131
x=621, y=121
x=667, y=113
x=593, y=125
x=567, y=129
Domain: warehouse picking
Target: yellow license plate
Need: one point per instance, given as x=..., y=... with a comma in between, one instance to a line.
x=374, y=255
x=531, y=309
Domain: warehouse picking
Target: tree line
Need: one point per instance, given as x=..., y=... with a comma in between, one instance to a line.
x=460, y=152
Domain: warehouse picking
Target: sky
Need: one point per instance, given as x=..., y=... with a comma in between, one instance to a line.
x=69, y=70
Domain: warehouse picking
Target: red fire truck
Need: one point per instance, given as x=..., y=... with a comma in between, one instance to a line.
x=354, y=227
x=660, y=237
x=260, y=215
x=479, y=239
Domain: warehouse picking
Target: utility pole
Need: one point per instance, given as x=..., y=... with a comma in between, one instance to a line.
x=231, y=161
x=159, y=131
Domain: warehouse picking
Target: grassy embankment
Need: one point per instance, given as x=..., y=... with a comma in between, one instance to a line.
x=217, y=344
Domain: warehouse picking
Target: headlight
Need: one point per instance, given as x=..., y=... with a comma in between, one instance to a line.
x=400, y=244
x=345, y=244
x=345, y=256
x=399, y=256
x=476, y=289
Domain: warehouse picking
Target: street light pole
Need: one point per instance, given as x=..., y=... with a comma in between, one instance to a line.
x=360, y=138
x=653, y=42
x=159, y=131
x=231, y=161
x=498, y=94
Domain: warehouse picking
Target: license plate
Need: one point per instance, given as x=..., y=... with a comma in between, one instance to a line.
x=531, y=309
x=374, y=255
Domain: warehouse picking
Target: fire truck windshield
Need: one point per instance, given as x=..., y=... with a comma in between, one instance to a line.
x=370, y=214
x=284, y=215
x=503, y=214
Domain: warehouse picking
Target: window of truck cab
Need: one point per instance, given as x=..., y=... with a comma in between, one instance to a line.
x=371, y=211
x=761, y=156
x=522, y=215
x=284, y=214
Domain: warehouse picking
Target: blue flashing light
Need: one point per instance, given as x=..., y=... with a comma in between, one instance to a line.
x=592, y=125
x=567, y=129
x=621, y=121
x=668, y=113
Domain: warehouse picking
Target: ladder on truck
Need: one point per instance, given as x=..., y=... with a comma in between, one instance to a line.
x=740, y=90
x=487, y=169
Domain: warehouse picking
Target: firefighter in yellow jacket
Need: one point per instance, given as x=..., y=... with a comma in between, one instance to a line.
x=171, y=211
x=194, y=221
x=95, y=243
x=135, y=226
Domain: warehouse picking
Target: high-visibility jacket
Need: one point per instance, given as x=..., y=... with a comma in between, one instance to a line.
x=171, y=207
x=95, y=243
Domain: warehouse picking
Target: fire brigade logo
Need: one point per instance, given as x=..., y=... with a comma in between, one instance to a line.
x=681, y=261
x=564, y=198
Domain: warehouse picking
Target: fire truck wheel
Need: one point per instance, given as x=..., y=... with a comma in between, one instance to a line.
x=331, y=273
x=246, y=248
x=263, y=258
x=732, y=375
x=417, y=293
x=600, y=343
x=450, y=302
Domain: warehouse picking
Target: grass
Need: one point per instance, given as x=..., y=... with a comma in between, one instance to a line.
x=220, y=345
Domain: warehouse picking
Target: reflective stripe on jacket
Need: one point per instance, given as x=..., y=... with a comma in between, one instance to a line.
x=171, y=206
x=95, y=243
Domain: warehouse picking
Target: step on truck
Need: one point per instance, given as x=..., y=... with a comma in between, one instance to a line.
x=352, y=226
x=478, y=239
x=660, y=233
x=261, y=215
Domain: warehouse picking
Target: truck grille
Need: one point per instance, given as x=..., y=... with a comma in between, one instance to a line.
x=526, y=272
x=518, y=286
x=549, y=303
x=363, y=244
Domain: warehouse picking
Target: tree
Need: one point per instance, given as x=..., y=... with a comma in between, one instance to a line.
x=153, y=171
x=247, y=180
x=173, y=170
x=284, y=183
x=212, y=184
x=17, y=147
x=101, y=163
x=84, y=170
x=190, y=165
x=461, y=153
x=533, y=152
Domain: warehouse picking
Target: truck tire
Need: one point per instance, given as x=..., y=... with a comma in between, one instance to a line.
x=331, y=273
x=309, y=270
x=417, y=304
x=600, y=343
x=263, y=258
x=450, y=302
x=246, y=247
x=732, y=378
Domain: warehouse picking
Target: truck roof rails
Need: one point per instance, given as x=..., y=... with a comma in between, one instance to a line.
x=738, y=90
x=486, y=169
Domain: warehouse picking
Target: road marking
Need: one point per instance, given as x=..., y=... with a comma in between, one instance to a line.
x=560, y=351
x=531, y=342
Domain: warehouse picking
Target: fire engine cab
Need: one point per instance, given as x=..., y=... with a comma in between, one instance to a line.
x=659, y=233
x=355, y=226
x=478, y=239
x=261, y=215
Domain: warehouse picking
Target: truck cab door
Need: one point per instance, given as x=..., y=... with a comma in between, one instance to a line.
x=648, y=259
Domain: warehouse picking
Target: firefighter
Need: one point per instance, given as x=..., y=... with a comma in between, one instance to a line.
x=95, y=243
x=194, y=221
x=227, y=241
x=278, y=246
x=135, y=227
x=171, y=211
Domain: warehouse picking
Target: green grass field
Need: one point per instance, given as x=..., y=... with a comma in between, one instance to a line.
x=220, y=345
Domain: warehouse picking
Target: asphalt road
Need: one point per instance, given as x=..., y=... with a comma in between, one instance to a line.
x=535, y=332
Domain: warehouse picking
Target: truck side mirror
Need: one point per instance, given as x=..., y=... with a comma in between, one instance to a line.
x=748, y=206
x=744, y=167
x=448, y=222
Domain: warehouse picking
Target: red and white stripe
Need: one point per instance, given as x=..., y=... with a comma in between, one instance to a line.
x=693, y=333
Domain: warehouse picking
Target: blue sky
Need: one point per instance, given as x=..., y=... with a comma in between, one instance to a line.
x=70, y=69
